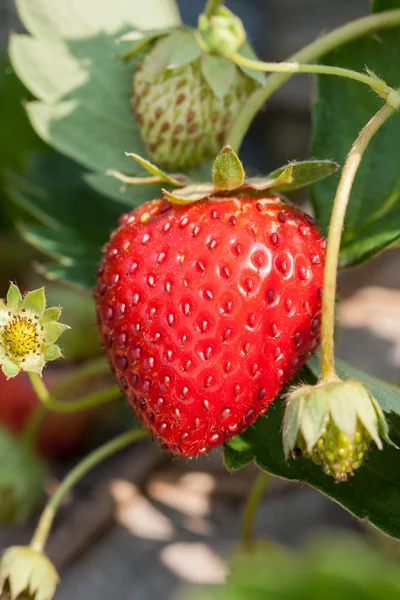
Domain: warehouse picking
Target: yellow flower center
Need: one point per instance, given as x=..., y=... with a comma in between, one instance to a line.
x=22, y=335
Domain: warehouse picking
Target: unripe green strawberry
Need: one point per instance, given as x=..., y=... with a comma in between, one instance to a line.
x=337, y=453
x=333, y=424
x=181, y=120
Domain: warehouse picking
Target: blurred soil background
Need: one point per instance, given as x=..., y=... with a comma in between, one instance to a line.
x=143, y=525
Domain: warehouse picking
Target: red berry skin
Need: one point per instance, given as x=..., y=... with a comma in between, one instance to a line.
x=207, y=311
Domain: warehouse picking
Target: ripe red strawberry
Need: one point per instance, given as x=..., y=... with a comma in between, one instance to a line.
x=207, y=311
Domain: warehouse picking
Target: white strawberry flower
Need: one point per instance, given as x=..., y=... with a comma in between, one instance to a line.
x=28, y=332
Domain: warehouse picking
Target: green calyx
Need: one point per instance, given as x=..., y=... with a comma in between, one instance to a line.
x=229, y=179
x=333, y=424
x=28, y=332
x=26, y=573
x=223, y=33
x=21, y=479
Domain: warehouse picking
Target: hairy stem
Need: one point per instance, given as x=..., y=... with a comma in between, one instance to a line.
x=84, y=403
x=342, y=35
x=43, y=529
x=334, y=237
x=294, y=67
x=252, y=503
x=212, y=7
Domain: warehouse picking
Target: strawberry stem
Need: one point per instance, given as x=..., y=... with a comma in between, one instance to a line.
x=84, y=403
x=212, y=7
x=375, y=83
x=97, y=456
x=324, y=44
x=252, y=503
x=334, y=238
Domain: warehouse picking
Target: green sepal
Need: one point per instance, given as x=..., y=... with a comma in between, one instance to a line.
x=190, y=193
x=343, y=406
x=227, y=172
x=51, y=314
x=53, y=352
x=23, y=569
x=383, y=427
x=9, y=368
x=186, y=53
x=314, y=416
x=141, y=39
x=291, y=423
x=295, y=175
x=367, y=413
x=160, y=57
x=220, y=73
x=176, y=181
x=14, y=298
x=247, y=51
x=52, y=331
x=35, y=302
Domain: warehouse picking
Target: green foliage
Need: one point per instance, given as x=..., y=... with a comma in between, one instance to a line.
x=18, y=138
x=374, y=491
x=328, y=568
x=21, y=479
x=341, y=109
x=83, y=90
x=381, y=5
x=73, y=220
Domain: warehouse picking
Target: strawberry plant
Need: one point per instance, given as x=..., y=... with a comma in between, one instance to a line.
x=213, y=290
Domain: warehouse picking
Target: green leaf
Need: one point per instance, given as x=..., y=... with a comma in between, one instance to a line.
x=374, y=491
x=220, y=73
x=71, y=20
x=74, y=221
x=381, y=5
x=341, y=109
x=18, y=139
x=337, y=565
x=247, y=51
x=69, y=64
x=21, y=472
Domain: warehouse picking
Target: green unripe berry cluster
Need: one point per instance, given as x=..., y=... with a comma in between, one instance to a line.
x=337, y=453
